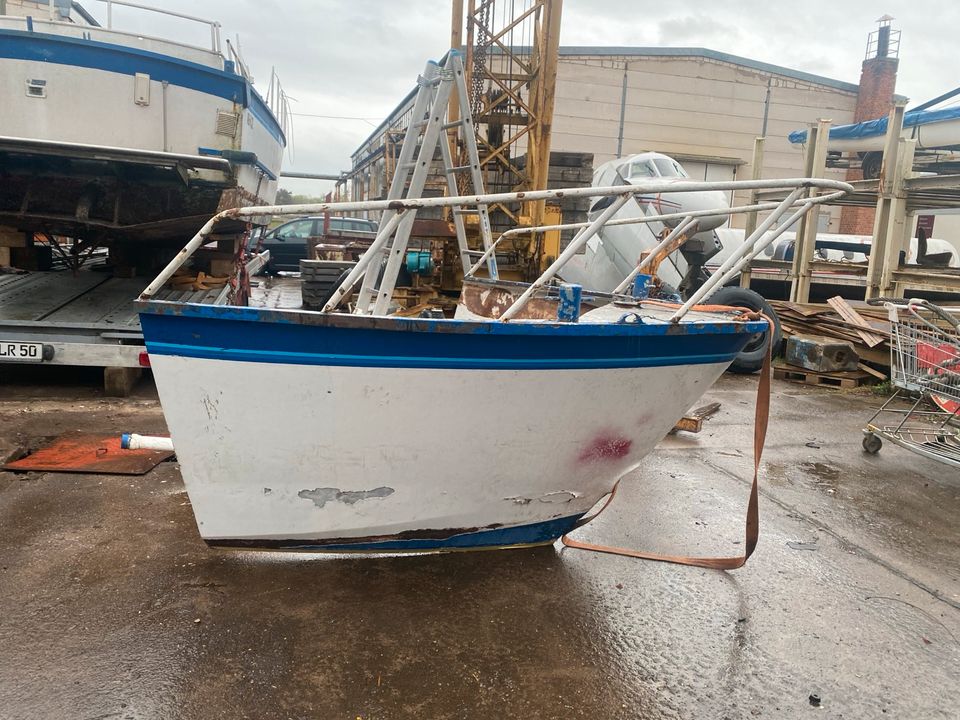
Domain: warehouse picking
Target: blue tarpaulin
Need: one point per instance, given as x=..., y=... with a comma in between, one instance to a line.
x=872, y=128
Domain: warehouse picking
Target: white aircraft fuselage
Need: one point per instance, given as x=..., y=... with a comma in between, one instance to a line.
x=611, y=255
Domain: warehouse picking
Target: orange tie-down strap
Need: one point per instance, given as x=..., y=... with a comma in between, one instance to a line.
x=761, y=419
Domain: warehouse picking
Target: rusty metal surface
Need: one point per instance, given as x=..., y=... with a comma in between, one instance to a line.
x=491, y=302
x=654, y=267
x=79, y=452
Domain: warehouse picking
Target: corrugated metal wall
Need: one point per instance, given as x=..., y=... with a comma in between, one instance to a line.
x=689, y=106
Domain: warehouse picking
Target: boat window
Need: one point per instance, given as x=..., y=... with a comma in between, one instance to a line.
x=642, y=170
x=669, y=168
x=296, y=229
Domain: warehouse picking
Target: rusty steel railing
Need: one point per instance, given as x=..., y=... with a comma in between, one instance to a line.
x=803, y=195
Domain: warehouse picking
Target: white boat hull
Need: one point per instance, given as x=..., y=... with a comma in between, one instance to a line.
x=303, y=431
x=304, y=453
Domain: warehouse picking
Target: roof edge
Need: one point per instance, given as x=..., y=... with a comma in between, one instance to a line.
x=607, y=51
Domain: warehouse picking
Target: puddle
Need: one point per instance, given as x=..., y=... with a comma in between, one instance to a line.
x=821, y=470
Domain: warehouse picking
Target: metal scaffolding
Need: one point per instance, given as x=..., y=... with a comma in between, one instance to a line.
x=898, y=196
x=511, y=59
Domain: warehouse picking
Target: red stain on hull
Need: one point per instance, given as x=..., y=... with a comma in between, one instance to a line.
x=606, y=447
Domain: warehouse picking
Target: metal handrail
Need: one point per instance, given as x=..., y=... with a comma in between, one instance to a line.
x=215, y=44
x=213, y=24
x=622, y=193
x=640, y=220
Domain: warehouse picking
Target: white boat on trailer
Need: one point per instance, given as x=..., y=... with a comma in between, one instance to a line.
x=355, y=428
x=113, y=135
x=122, y=126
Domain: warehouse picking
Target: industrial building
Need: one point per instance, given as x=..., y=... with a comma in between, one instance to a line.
x=700, y=106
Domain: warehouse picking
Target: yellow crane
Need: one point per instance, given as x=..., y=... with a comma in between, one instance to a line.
x=511, y=49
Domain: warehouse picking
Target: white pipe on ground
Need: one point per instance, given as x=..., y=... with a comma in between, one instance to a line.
x=132, y=441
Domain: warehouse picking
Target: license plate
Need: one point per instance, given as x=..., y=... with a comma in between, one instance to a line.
x=21, y=351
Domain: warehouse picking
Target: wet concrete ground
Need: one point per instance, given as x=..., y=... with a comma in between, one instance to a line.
x=112, y=607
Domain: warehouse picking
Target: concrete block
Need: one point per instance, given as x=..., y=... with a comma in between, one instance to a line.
x=120, y=381
x=228, y=243
x=13, y=238
x=821, y=354
x=4, y=257
x=222, y=268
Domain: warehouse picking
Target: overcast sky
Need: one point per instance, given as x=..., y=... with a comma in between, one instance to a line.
x=355, y=59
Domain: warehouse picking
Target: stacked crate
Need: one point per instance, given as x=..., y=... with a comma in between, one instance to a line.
x=571, y=170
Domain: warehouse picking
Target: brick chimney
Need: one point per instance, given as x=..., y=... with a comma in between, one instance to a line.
x=878, y=81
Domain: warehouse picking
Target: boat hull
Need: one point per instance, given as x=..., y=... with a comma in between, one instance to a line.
x=83, y=156
x=339, y=438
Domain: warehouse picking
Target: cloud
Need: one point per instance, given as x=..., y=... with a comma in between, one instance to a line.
x=694, y=30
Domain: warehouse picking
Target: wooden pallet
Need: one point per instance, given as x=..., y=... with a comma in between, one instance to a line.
x=851, y=379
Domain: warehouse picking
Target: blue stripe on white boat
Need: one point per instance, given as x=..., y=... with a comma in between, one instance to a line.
x=264, y=336
x=258, y=107
x=82, y=52
x=716, y=324
x=541, y=532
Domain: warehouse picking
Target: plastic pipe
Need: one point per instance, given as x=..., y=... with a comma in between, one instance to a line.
x=132, y=441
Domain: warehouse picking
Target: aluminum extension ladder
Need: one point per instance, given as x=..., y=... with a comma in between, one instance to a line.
x=427, y=129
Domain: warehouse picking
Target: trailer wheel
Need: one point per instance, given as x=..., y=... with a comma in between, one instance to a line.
x=871, y=443
x=750, y=359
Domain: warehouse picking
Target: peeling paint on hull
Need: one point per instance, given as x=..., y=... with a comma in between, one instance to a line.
x=424, y=540
x=321, y=496
x=380, y=433
x=451, y=476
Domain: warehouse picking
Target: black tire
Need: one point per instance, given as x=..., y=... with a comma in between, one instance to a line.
x=750, y=359
x=872, y=444
x=871, y=164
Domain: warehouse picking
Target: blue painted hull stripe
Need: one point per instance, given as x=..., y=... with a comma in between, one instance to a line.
x=46, y=48
x=453, y=363
x=177, y=315
x=438, y=343
x=534, y=533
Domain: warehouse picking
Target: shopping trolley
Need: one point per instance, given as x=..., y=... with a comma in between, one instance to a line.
x=924, y=366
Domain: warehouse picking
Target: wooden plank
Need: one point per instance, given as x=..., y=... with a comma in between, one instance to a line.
x=853, y=317
x=693, y=422
x=876, y=373
x=820, y=379
x=875, y=355
x=13, y=238
x=805, y=309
